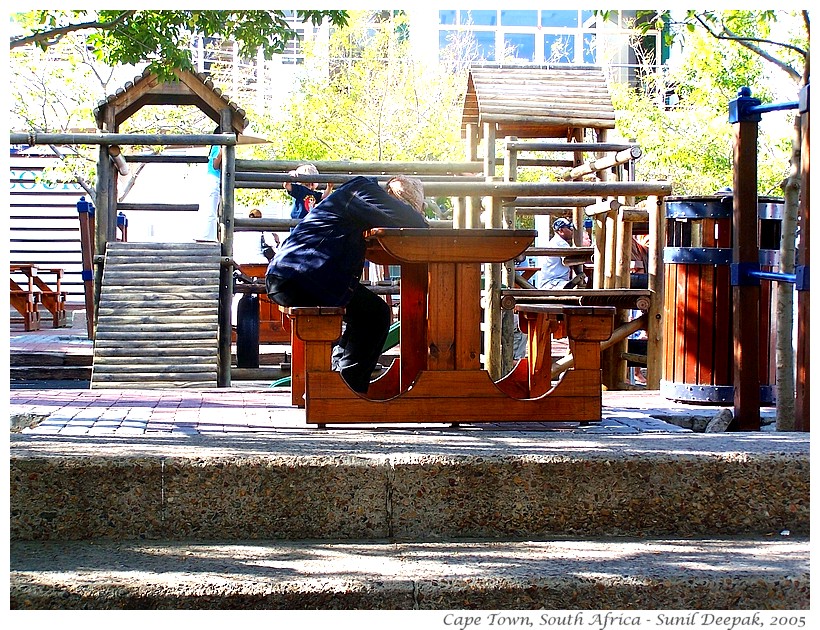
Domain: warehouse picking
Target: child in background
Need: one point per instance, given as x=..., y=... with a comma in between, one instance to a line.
x=305, y=196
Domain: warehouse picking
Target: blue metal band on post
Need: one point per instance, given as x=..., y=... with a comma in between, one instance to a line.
x=87, y=274
x=743, y=274
x=697, y=255
x=801, y=282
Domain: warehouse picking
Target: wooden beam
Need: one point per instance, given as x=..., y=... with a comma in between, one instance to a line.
x=745, y=293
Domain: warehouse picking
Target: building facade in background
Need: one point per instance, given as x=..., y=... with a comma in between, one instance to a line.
x=519, y=36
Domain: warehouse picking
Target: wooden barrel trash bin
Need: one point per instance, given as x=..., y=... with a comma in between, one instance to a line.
x=698, y=337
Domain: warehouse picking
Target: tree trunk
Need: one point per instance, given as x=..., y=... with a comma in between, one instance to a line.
x=784, y=341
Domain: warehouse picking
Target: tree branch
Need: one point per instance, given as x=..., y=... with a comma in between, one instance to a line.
x=52, y=36
x=750, y=44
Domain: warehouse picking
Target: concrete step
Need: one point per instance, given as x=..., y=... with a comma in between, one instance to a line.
x=405, y=484
x=725, y=573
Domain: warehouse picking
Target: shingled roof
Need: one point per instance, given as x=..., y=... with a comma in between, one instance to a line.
x=537, y=101
x=190, y=88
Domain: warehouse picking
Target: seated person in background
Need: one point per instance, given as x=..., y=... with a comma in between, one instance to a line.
x=555, y=273
x=640, y=254
x=267, y=250
x=321, y=264
x=305, y=196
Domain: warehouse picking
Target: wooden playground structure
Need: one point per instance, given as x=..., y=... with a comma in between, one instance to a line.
x=459, y=289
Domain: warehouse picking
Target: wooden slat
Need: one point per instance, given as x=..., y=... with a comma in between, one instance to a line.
x=159, y=353
x=440, y=325
x=468, y=318
x=144, y=366
x=138, y=371
x=574, y=399
x=413, y=307
x=181, y=344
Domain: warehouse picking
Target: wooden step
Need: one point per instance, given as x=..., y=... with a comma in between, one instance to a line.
x=117, y=352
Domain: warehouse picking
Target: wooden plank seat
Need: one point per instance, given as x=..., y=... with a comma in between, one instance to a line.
x=313, y=329
x=633, y=299
x=53, y=299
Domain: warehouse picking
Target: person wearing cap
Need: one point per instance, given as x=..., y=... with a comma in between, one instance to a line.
x=304, y=196
x=555, y=273
x=321, y=262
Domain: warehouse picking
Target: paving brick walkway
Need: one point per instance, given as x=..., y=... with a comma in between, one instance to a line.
x=255, y=407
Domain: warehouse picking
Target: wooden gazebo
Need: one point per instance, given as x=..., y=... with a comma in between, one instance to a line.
x=186, y=285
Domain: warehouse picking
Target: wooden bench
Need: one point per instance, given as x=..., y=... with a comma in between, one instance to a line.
x=313, y=330
x=272, y=326
x=24, y=301
x=52, y=299
x=585, y=327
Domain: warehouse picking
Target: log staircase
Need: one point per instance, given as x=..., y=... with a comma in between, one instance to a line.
x=158, y=316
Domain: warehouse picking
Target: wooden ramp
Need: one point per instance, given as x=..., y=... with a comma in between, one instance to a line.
x=159, y=316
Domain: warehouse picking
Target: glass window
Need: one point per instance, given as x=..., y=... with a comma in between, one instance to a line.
x=559, y=19
x=480, y=18
x=485, y=45
x=519, y=18
x=445, y=38
x=521, y=45
x=559, y=48
x=590, y=48
x=447, y=17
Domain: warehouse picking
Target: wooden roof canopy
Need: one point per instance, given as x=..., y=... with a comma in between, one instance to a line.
x=537, y=101
x=189, y=88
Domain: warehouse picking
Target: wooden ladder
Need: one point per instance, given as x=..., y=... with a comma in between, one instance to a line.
x=158, y=321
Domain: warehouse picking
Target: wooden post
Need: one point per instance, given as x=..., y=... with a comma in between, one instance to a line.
x=464, y=209
x=655, y=325
x=223, y=375
x=459, y=212
x=601, y=234
x=492, y=298
x=577, y=212
x=508, y=268
x=101, y=203
x=489, y=150
x=802, y=407
x=745, y=257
